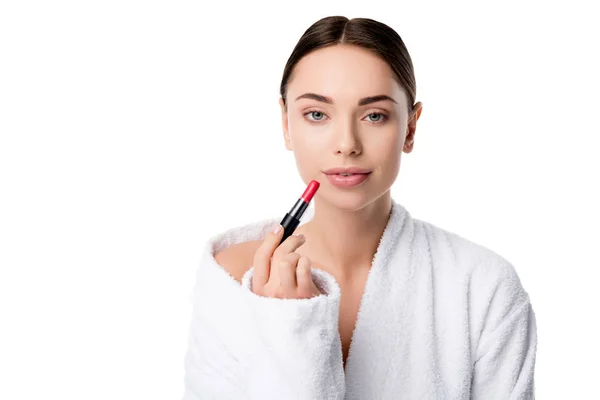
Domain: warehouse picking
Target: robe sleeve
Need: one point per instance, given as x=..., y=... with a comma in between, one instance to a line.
x=505, y=354
x=214, y=367
x=245, y=346
x=297, y=352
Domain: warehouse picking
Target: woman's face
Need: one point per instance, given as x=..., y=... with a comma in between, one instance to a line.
x=345, y=133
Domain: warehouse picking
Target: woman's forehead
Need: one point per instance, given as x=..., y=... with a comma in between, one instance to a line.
x=344, y=72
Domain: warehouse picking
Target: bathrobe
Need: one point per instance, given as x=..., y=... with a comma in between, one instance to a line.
x=441, y=317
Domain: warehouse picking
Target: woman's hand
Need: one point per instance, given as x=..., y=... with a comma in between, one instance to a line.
x=281, y=273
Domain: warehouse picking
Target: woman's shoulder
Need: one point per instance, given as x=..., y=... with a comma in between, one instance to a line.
x=232, y=250
x=238, y=258
x=473, y=257
x=487, y=273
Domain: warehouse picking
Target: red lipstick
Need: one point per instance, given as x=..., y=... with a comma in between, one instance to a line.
x=310, y=191
x=292, y=219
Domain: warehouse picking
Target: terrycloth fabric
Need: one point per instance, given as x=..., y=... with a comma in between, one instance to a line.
x=441, y=318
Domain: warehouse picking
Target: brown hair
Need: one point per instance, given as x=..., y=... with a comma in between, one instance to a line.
x=363, y=32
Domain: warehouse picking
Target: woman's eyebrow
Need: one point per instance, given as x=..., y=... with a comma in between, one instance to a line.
x=362, y=102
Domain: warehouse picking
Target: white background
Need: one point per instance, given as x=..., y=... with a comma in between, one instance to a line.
x=133, y=130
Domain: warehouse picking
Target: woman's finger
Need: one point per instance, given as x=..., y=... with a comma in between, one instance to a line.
x=303, y=276
x=262, y=257
x=288, y=246
x=286, y=270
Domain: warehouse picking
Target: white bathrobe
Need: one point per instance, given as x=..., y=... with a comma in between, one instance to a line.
x=441, y=317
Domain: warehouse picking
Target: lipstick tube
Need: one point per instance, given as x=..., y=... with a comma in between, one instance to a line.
x=292, y=218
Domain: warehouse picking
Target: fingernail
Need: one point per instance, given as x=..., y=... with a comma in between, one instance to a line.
x=302, y=237
x=277, y=229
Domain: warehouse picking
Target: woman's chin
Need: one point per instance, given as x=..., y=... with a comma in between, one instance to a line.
x=348, y=200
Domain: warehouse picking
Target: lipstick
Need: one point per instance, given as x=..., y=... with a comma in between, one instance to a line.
x=292, y=219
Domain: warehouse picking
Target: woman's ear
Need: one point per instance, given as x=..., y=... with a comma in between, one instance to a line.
x=411, y=129
x=284, y=125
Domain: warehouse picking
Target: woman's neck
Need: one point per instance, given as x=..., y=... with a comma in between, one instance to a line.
x=345, y=240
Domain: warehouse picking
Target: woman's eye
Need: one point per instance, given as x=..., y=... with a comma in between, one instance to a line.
x=316, y=114
x=380, y=117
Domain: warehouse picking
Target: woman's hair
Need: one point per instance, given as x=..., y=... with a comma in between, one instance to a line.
x=363, y=32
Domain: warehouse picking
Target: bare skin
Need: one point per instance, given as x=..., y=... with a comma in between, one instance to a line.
x=347, y=224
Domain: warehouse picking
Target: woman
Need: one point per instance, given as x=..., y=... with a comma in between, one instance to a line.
x=440, y=316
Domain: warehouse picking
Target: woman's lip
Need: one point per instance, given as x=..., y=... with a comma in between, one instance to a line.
x=354, y=173
x=346, y=170
x=347, y=181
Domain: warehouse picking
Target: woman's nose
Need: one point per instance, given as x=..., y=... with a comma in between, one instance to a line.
x=347, y=141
